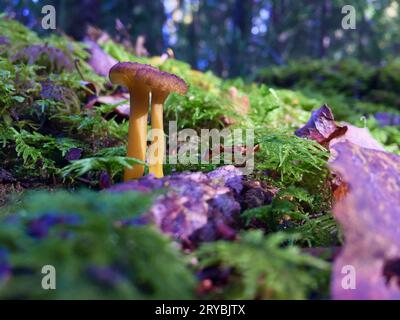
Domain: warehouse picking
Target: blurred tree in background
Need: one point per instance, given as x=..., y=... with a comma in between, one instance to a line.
x=233, y=37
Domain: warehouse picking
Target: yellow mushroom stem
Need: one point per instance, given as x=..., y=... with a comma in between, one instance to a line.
x=137, y=132
x=157, y=141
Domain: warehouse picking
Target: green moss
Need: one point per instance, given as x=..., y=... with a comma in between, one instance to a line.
x=133, y=256
x=264, y=268
x=350, y=87
x=291, y=157
x=18, y=35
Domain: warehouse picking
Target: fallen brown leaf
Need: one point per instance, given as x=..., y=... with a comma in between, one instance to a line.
x=321, y=127
x=100, y=61
x=121, y=99
x=370, y=216
x=359, y=136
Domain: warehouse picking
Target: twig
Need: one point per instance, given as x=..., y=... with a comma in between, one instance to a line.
x=76, y=63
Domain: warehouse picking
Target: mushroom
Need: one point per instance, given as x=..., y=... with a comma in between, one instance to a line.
x=125, y=74
x=161, y=84
x=141, y=79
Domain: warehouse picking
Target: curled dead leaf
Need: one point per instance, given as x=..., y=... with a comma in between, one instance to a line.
x=321, y=127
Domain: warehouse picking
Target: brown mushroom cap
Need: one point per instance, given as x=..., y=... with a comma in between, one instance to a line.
x=130, y=74
x=162, y=81
x=124, y=73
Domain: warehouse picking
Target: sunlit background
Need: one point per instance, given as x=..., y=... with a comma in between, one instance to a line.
x=232, y=37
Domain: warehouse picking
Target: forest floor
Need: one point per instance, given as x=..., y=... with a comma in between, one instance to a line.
x=323, y=194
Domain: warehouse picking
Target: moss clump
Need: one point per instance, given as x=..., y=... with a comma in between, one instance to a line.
x=97, y=244
x=260, y=268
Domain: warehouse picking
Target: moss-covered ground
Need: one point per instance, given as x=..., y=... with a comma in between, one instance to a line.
x=45, y=87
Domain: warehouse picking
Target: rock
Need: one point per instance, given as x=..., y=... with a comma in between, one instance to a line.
x=196, y=206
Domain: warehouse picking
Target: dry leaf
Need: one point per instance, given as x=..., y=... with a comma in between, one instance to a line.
x=359, y=136
x=321, y=127
x=370, y=217
x=100, y=61
x=122, y=100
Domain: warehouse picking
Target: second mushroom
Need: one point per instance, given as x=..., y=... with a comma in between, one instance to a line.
x=148, y=88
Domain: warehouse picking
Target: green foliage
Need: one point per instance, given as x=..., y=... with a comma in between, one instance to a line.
x=24, y=146
x=17, y=34
x=197, y=109
x=91, y=126
x=293, y=210
x=6, y=134
x=347, y=78
x=42, y=104
x=120, y=53
x=112, y=152
x=131, y=258
x=264, y=268
x=291, y=157
x=275, y=108
x=14, y=90
x=288, y=207
x=321, y=231
x=39, y=154
x=389, y=136
x=384, y=84
x=111, y=164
